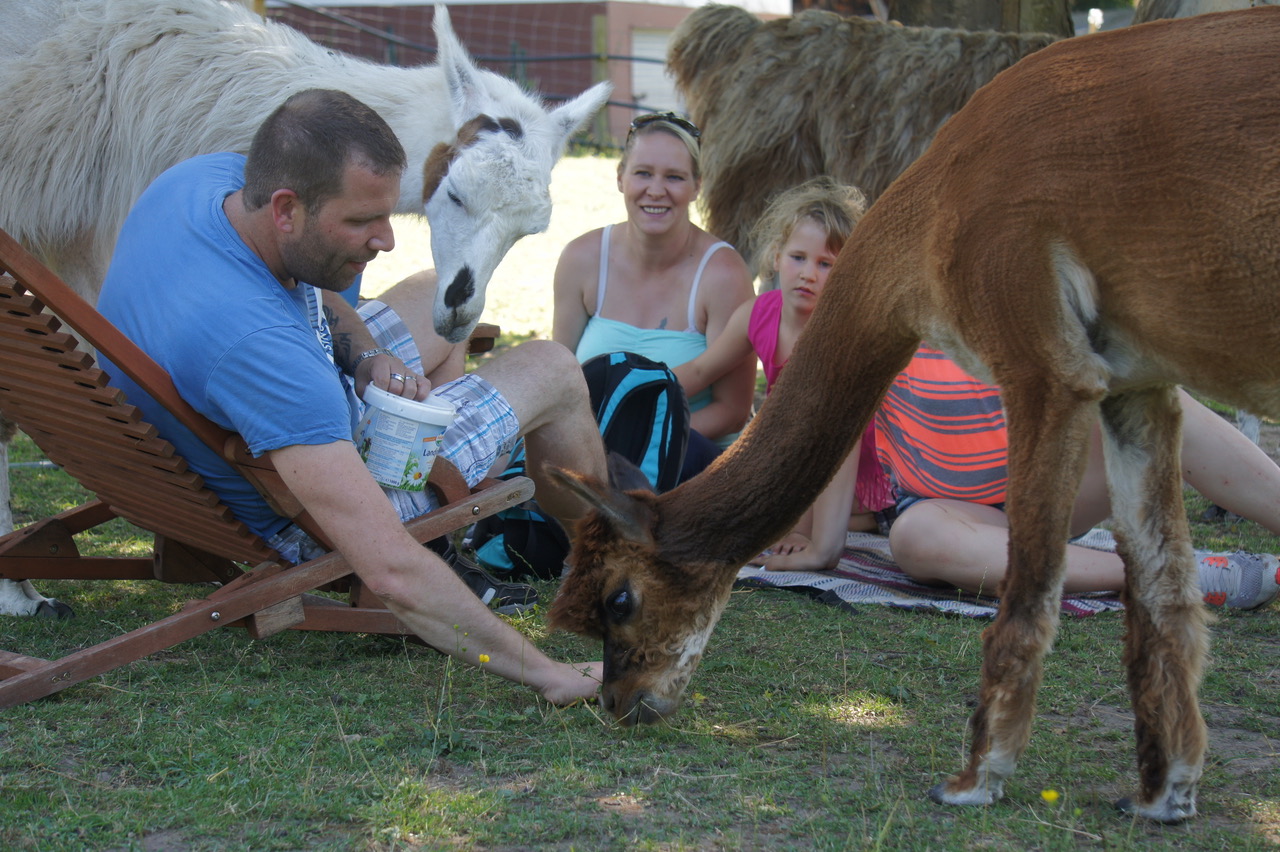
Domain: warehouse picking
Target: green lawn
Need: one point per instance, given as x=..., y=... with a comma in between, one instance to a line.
x=804, y=728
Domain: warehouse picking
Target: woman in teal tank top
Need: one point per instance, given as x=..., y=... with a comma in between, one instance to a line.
x=657, y=284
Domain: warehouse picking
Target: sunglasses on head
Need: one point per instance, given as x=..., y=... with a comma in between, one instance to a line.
x=670, y=118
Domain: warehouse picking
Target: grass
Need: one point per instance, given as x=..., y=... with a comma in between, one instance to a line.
x=804, y=728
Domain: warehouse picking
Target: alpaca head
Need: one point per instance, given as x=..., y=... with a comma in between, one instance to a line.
x=489, y=186
x=652, y=609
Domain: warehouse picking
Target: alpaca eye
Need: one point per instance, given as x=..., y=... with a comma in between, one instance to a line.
x=454, y=198
x=620, y=604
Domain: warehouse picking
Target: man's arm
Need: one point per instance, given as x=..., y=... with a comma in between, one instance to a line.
x=352, y=340
x=412, y=581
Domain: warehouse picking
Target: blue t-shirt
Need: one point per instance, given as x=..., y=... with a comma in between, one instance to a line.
x=242, y=349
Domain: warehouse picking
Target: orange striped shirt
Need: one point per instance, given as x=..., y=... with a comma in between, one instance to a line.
x=941, y=433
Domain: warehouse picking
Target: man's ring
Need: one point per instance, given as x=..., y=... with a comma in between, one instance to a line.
x=404, y=380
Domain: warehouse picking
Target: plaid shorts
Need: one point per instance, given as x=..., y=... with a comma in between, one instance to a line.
x=483, y=432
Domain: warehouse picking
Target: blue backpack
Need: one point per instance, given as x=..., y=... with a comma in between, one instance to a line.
x=644, y=419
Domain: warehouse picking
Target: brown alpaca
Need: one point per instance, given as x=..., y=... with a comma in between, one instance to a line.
x=1100, y=224
x=794, y=98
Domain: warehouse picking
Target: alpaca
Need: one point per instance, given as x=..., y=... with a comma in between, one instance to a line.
x=1154, y=10
x=787, y=100
x=122, y=89
x=119, y=90
x=1066, y=238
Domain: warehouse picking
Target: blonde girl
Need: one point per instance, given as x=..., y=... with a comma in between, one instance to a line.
x=801, y=233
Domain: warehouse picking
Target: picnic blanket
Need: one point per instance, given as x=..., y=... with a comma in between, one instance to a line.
x=868, y=575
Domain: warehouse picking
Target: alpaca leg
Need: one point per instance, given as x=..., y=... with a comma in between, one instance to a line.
x=1167, y=640
x=1048, y=437
x=6, y=506
x=19, y=597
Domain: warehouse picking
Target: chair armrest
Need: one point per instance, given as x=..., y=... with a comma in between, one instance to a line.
x=483, y=338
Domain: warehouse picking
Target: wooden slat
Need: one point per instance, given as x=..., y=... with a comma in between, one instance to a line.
x=23, y=377
x=12, y=664
x=120, y=459
x=23, y=334
x=76, y=568
x=203, y=616
x=95, y=437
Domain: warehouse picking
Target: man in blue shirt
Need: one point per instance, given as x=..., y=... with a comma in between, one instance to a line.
x=228, y=273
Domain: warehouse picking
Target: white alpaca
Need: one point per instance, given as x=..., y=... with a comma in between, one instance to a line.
x=120, y=90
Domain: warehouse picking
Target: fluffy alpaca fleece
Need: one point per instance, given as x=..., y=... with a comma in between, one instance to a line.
x=790, y=99
x=1153, y=10
x=122, y=89
x=98, y=97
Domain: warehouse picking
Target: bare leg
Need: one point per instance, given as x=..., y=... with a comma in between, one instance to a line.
x=966, y=545
x=412, y=299
x=544, y=384
x=1228, y=468
x=948, y=542
x=817, y=542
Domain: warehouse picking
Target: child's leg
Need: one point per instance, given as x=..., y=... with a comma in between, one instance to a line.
x=819, y=546
x=966, y=545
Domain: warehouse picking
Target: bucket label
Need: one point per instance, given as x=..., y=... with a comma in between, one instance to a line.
x=398, y=451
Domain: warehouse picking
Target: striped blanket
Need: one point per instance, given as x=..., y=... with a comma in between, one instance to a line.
x=868, y=575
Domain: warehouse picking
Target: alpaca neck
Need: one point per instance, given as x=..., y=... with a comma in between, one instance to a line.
x=759, y=488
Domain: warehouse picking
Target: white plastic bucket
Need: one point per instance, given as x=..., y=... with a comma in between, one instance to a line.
x=399, y=438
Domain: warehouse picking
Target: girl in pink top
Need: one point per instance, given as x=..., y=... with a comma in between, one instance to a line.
x=801, y=232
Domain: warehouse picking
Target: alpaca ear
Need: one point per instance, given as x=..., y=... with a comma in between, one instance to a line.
x=624, y=475
x=630, y=518
x=570, y=117
x=460, y=73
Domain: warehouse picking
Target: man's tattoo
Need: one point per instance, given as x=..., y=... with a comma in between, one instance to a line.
x=341, y=340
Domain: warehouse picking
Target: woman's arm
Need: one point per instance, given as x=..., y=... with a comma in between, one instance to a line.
x=722, y=355
x=726, y=286
x=575, y=278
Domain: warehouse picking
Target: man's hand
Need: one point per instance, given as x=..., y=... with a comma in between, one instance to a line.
x=574, y=682
x=391, y=375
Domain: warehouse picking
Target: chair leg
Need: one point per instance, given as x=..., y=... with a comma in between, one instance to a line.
x=266, y=587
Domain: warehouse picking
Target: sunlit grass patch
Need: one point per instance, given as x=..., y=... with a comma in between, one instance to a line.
x=866, y=710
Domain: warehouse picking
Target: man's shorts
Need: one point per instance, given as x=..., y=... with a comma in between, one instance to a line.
x=484, y=430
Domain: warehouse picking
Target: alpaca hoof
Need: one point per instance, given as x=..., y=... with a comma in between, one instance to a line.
x=1165, y=812
x=50, y=608
x=943, y=795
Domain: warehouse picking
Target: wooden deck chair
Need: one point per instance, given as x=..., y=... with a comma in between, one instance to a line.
x=51, y=389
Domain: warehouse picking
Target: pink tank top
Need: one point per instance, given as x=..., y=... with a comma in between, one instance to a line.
x=872, y=490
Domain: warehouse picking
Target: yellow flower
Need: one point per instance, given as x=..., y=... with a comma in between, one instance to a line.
x=1050, y=796
x=484, y=658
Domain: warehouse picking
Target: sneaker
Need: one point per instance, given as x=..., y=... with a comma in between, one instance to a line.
x=1239, y=580
x=502, y=597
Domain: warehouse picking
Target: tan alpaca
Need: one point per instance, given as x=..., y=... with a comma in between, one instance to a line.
x=786, y=100
x=1099, y=224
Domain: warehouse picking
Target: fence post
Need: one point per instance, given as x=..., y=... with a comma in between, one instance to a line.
x=600, y=46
